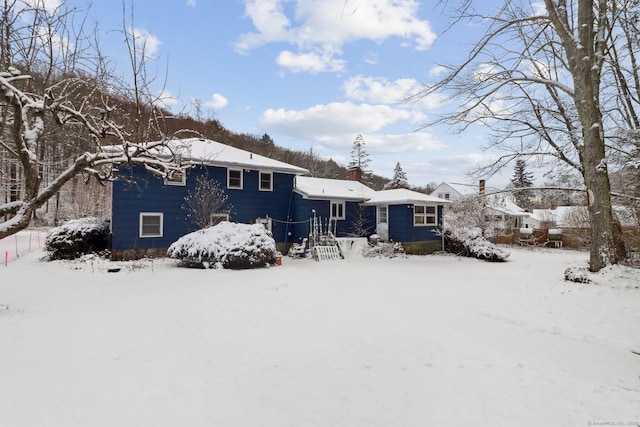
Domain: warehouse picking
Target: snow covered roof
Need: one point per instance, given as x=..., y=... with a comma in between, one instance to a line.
x=458, y=190
x=402, y=196
x=502, y=203
x=215, y=153
x=324, y=188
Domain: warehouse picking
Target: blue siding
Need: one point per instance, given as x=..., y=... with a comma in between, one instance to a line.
x=137, y=191
x=303, y=211
x=401, y=228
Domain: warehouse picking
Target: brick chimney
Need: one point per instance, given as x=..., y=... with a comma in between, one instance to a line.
x=355, y=174
x=482, y=186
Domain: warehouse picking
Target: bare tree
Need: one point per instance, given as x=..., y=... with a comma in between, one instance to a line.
x=207, y=199
x=535, y=80
x=56, y=98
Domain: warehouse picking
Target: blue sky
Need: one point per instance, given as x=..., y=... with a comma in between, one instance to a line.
x=310, y=73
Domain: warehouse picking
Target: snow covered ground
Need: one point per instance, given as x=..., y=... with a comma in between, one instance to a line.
x=416, y=341
x=21, y=243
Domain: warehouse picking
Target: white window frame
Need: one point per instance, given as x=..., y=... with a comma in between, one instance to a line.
x=423, y=218
x=270, y=175
x=340, y=208
x=229, y=186
x=444, y=196
x=143, y=216
x=384, y=208
x=217, y=218
x=181, y=181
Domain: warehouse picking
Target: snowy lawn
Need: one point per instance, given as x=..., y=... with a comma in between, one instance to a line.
x=418, y=341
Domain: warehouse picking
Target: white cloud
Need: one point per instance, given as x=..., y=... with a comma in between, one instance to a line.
x=271, y=24
x=378, y=90
x=539, y=69
x=327, y=25
x=217, y=102
x=539, y=9
x=336, y=125
x=437, y=70
x=371, y=59
x=453, y=168
x=167, y=99
x=309, y=62
x=322, y=122
x=402, y=143
x=381, y=90
x=191, y=3
x=146, y=43
x=49, y=5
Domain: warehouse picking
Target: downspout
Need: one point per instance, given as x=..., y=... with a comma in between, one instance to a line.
x=286, y=229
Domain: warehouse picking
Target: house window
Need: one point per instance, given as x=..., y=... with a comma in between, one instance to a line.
x=382, y=214
x=151, y=224
x=176, y=178
x=424, y=215
x=337, y=210
x=217, y=218
x=266, y=181
x=234, y=179
x=444, y=196
x=265, y=222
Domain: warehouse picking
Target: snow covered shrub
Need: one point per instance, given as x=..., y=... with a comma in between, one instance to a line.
x=470, y=243
x=385, y=250
x=576, y=274
x=463, y=235
x=227, y=245
x=76, y=238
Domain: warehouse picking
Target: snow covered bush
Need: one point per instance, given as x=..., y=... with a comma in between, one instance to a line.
x=385, y=250
x=577, y=274
x=227, y=245
x=76, y=238
x=463, y=233
x=470, y=243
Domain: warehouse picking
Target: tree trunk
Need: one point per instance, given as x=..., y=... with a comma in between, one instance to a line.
x=596, y=176
x=584, y=57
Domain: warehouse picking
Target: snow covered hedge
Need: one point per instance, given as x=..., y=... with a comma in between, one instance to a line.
x=470, y=243
x=76, y=238
x=227, y=245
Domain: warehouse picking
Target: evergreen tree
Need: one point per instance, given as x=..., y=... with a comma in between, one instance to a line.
x=399, y=179
x=267, y=140
x=359, y=156
x=522, y=179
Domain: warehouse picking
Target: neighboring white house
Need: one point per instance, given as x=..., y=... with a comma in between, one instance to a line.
x=446, y=191
x=502, y=212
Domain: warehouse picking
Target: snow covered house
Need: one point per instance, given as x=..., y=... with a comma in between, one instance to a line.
x=353, y=209
x=448, y=191
x=338, y=204
x=148, y=214
x=501, y=211
x=409, y=217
